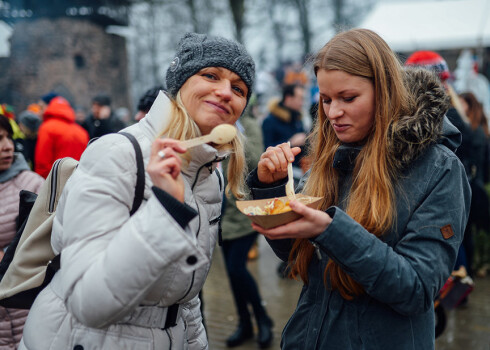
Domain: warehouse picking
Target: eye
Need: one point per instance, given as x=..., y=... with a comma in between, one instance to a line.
x=349, y=99
x=209, y=76
x=326, y=101
x=239, y=90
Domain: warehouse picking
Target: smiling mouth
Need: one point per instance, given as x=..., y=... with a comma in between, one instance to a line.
x=218, y=106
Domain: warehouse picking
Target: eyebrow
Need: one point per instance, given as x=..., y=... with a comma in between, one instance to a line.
x=235, y=79
x=346, y=91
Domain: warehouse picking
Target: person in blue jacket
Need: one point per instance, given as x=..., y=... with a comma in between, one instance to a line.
x=395, y=202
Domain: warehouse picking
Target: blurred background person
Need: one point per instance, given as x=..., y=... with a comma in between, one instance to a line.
x=102, y=120
x=59, y=136
x=123, y=114
x=146, y=101
x=29, y=123
x=18, y=135
x=238, y=239
x=295, y=75
x=434, y=62
x=45, y=100
x=283, y=124
x=479, y=163
x=80, y=115
x=15, y=175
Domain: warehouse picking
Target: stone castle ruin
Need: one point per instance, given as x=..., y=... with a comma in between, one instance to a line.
x=63, y=46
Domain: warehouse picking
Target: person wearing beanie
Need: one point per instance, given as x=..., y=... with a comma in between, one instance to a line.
x=102, y=120
x=29, y=123
x=131, y=274
x=45, y=100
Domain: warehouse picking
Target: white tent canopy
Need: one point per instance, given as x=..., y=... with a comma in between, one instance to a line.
x=5, y=33
x=431, y=25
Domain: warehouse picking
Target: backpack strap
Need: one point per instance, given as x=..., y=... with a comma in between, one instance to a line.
x=140, y=173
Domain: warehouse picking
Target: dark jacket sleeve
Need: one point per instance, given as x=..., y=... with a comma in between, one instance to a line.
x=408, y=275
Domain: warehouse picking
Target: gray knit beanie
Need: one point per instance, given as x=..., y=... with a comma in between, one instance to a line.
x=198, y=51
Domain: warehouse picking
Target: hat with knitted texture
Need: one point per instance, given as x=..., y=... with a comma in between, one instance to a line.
x=198, y=51
x=430, y=60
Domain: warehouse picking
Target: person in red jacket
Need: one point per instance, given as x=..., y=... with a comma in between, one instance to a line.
x=59, y=136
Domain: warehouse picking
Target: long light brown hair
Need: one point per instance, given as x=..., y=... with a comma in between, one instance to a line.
x=182, y=127
x=362, y=53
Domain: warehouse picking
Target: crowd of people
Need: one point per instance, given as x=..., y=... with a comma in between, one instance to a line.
x=398, y=157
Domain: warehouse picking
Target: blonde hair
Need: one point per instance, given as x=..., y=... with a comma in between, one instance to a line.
x=362, y=53
x=183, y=127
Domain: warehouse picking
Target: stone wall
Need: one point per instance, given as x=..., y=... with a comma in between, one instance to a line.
x=73, y=57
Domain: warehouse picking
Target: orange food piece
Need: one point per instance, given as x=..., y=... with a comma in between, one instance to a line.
x=277, y=206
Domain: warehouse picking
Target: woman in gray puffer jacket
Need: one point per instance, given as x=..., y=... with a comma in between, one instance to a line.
x=15, y=176
x=132, y=282
x=395, y=203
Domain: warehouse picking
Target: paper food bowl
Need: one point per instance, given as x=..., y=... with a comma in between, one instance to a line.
x=269, y=221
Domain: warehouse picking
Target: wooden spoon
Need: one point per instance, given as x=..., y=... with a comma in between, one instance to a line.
x=221, y=134
x=290, y=184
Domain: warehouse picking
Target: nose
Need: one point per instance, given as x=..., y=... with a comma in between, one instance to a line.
x=223, y=90
x=335, y=110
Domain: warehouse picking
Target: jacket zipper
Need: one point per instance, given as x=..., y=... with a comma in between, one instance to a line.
x=54, y=182
x=198, y=227
x=317, y=250
x=208, y=165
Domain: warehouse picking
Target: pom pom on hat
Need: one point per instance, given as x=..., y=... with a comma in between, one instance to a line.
x=430, y=60
x=198, y=51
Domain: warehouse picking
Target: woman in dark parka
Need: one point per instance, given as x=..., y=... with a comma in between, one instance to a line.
x=395, y=203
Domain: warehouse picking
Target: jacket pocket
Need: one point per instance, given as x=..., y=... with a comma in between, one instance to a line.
x=84, y=338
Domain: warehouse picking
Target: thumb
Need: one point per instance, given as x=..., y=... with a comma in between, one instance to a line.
x=296, y=150
x=299, y=207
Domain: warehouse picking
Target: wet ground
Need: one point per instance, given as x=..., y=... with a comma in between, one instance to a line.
x=468, y=327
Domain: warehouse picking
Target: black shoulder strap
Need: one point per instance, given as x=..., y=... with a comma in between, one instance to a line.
x=140, y=173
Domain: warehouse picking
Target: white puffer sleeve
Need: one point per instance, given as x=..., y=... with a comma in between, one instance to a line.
x=109, y=260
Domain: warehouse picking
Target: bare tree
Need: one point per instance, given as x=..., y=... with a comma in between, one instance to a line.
x=348, y=12
x=304, y=23
x=201, y=16
x=277, y=28
x=238, y=11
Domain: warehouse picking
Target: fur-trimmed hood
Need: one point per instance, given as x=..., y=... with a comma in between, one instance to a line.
x=410, y=135
x=282, y=112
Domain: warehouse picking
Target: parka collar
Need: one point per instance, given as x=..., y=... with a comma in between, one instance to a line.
x=410, y=135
